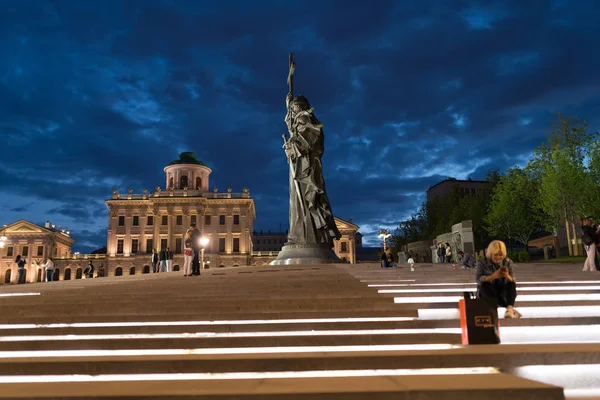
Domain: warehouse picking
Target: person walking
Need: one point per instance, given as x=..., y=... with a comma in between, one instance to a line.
x=195, y=244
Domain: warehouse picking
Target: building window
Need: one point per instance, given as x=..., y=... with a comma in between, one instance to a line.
x=150, y=220
x=257, y=241
x=149, y=245
x=40, y=251
x=25, y=251
x=180, y=220
x=192, y=220
x=236, y=219
x=134, y=246
x=344, y=247
x=9, y=251
x=121, y=220
x=136, y=220
x=221, y=220
x=165, y=220
x=206, y=220
x=163, y=244
x=178, y=249
x=221, y=245
x=198, y=183
x=120, y=246
x=236, y=245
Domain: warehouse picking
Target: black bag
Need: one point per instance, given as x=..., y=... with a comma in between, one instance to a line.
x=587, y=239
x=478, y=321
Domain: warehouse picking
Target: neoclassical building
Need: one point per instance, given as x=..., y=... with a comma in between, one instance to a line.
x=34, y=243
x=138, y=223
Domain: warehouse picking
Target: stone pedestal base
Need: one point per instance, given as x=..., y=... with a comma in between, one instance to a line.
x=296, y=254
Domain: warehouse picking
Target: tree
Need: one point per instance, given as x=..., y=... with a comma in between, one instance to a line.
x=563, y=165
x=513, y=212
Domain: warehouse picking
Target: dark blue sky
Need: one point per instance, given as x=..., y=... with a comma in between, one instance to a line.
x=103, y=94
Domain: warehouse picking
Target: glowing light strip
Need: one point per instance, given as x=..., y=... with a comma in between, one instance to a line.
x=18, y=294
x=387, y=280
x=224, y=351
x=245, y=375
x=582, y=393
x=551, y=334
x=520, y=298
x=466, y=289
x=528, y=312
x=206, y=323
x=200, y=335
x=474, y=284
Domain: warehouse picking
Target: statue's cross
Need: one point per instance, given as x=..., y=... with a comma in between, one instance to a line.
x=290, y=79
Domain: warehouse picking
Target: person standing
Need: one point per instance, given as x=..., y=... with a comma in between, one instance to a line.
x=441, y=253
x=49, y=266
x=154, y=260
x=162, y=257
x=21, y=268
x=448, y=253
x=589, y=239
x=89, y=270
x=169, y=260
x=188, y=253
x=195, y=244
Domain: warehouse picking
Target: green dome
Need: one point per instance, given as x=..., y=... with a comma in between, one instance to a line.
x=187, y=157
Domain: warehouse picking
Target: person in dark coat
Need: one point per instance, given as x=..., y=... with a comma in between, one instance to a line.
x=20, y=261
x=495, y=279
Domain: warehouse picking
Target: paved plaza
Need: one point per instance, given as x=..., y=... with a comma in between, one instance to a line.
x=297, y=332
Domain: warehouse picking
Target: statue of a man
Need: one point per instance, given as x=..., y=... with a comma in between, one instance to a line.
x=311, y=218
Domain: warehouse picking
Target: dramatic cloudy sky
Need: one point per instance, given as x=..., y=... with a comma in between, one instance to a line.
x=103, y=94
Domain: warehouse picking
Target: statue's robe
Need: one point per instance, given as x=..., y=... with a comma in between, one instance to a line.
x=311, y=218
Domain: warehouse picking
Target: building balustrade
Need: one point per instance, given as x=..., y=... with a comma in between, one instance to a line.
x=265, y=253
x=180, y=193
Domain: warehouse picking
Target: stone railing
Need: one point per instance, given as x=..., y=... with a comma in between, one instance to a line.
x=81, y=257
x=180, y=193
x=264, y=253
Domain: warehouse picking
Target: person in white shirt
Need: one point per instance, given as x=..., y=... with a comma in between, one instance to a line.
x=49, y=265
x=411, y=263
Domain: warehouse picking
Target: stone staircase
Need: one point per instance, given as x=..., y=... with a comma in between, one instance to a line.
x=318, y=332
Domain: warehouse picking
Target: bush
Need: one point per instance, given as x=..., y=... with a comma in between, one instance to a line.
x=513, y=255
x=523, y=256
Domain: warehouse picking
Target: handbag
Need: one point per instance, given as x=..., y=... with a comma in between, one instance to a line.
x=478, y=321
x=188, y=252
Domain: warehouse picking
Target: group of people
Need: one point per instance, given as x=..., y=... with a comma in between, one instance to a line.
x=48, y=266
x=444, y=253
x=591, y=240
x=162, y=261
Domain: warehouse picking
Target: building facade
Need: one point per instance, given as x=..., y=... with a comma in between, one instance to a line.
x=465, y=187
x=268, y=244
x=34, y=243
x=139, y=223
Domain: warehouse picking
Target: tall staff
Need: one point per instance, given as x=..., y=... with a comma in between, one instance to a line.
x=290, y=82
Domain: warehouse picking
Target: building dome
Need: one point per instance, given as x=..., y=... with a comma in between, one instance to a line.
x=187, y=172
x=187, y=157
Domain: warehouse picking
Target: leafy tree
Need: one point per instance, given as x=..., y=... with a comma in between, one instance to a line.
x=568, y=184
x=513, y=212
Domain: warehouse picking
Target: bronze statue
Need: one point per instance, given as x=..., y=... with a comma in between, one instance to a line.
x=311, y=218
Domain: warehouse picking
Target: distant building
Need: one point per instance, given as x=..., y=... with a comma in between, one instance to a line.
x=465, y=187
x=267, y=244
x=34, y=243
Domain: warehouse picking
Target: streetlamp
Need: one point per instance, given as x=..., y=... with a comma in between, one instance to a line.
x=384, y=234
x=203, y=244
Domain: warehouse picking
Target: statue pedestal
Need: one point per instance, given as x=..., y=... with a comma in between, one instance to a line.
x=305, y=254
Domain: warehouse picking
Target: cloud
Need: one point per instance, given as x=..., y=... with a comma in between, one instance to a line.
x=96, y=95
